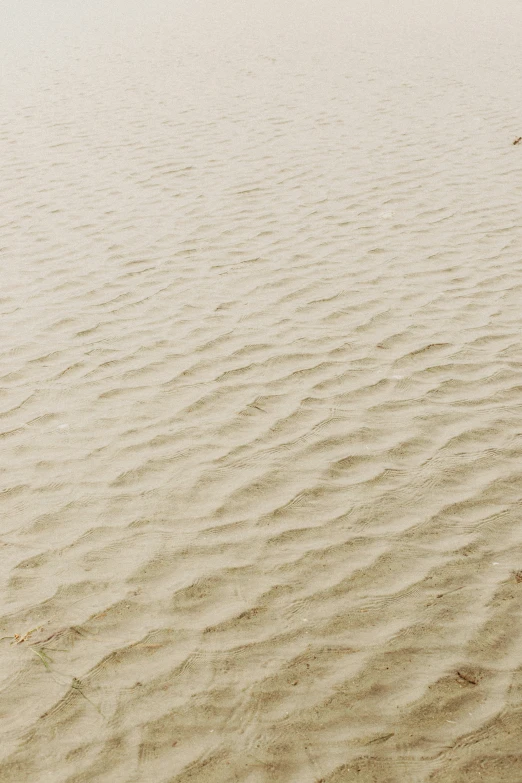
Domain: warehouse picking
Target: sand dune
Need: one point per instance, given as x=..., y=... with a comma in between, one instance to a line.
x=261, y=392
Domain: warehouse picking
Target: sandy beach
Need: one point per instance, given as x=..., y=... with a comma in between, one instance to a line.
x=260, y=392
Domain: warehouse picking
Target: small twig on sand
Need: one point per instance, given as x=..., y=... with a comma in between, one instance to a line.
x=467, y=678
x=77, y=685
x=43, y=657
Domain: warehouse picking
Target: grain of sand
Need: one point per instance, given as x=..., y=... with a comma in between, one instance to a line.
x=261, y=391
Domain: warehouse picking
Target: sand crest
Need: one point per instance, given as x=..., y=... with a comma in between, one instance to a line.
x=261, y=389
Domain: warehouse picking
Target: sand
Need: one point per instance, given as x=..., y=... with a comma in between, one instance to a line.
x=261, y=392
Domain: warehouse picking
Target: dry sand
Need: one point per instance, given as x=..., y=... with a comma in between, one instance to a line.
x=261, y=391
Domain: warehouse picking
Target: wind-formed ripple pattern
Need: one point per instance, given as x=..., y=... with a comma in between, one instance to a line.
x=260, y=392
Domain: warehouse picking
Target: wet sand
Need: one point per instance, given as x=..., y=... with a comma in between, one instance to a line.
x=261, y=392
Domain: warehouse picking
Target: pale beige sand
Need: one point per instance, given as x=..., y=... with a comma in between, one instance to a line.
x=261, y=391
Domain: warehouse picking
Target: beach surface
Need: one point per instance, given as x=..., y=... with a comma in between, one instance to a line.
x=260, y=392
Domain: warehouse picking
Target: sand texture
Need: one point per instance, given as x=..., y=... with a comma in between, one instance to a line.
x=260, y=391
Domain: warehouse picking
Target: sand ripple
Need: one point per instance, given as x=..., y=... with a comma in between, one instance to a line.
x=260, y=398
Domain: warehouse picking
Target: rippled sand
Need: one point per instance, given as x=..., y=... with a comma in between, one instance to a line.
x=261, y=392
